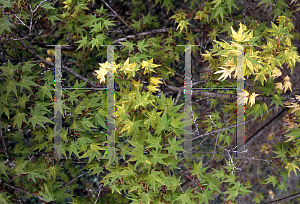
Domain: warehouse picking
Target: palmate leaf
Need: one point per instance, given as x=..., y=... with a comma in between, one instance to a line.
x=154, y=142
x=26, y=81
x=37, y=118
x=162, y=123
x=3, y=168
x=132, y=126
x=18, y=119
x=185, y=198
x=36, y=173
x=174, y=146
x=292, y=167
x=4, y=199
x=53, y=171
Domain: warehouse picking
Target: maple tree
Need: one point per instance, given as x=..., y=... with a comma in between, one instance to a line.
x=149, y=165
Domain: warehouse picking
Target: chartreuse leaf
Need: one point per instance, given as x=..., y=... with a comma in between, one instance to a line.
x=3, y=168
x=156, y=157
x=4, y=199
x=272, y=179
x=94, y=167
x=186, y=197
x=292, y=167
x=154, y=142
x=204, y=196
x=174, y=146
x=53, y=171
x=277, y=100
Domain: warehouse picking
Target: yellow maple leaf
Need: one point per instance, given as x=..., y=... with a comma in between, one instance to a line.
x=155, y=81
x=137, y=83
x=225, y=73
x=294, y=106
x=287, y=84
x=152, y=88
x=48, y=59
x=278, y=86
x=252, y=98
x=148, y=65
x=276, y=73
x=292, y=166
x=101, y=74
x=240, y=36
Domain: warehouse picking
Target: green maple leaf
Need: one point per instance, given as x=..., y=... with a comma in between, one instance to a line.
x=92, y=153
x=97, y=41
x=154, y=142
x=282, y=186
x=87, y=124
x=3, y=168
x=141, y=101
x=83, y=43
x=45, y=90
x=199, y=170
x=183, y=24
x=54, y=170
x=186, y=197
x=272, y=179
x=154, y=178
x=48, y=196
x=136, y=25
x=230, y=3
x=20, y=165
x=37, y=118
x=4, y=199
x=73, y=148
x=22, y=101
x=157, y=157
x=128, y=46
x=205, y=196
x=36, y=173
x=162, y=123
x=18, y=119
x=174, y=146
x=94, y=167
x=107, y=23
x=5, y=25
x=142, y=45
x=277, y=100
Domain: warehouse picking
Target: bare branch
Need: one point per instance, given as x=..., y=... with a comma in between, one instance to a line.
x=75, y=179
x=15, y=188
x=285, y=199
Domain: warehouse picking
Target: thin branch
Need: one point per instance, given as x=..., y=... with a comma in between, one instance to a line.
x=100, y=189
x=266, y=126
x=285, y=199
x=161, y=30
x=120, y=18
x=15, y=188
x=75, y=179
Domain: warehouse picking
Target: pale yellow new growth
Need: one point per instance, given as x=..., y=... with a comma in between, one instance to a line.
x=252, y=98
x=287, y=84
x=225, y=73
x=294, y=106
x=152, y=88
x=278, y=86
x=155, y=81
